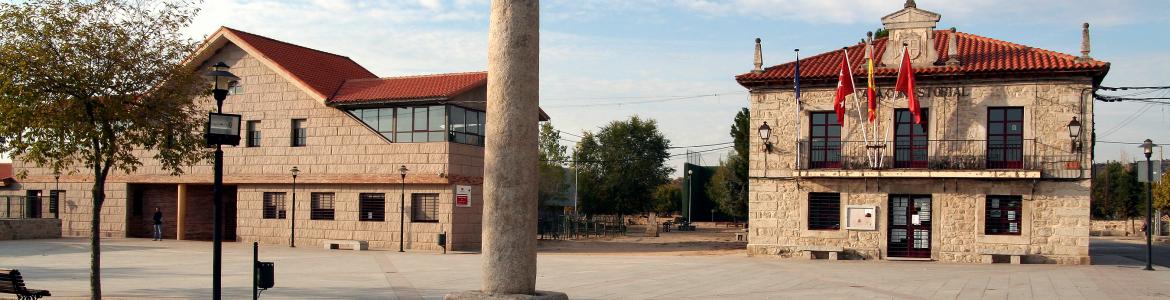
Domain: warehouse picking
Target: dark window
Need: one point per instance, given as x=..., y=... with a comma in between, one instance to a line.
x=422, y=124
x=298, y=132
x=139, y=204
x=424, y=207
x=372, y=207
x=235, y=87
x=910, y=140
x=274, y=205
x=1005, y=137
x=1003, y=215
x=465, y=126
x=322, y=206
x=253, y=134
x=824, y=211
x=55, y=197
x=32, y=208
x=824, y=140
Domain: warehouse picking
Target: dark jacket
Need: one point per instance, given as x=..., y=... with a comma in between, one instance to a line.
x=158, y=218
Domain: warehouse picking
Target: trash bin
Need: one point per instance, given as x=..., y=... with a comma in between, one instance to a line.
x=267, y=276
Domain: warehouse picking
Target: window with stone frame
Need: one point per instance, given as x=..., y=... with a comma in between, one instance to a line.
x=372, y=207
x=274, y=205
x=253, y=139
x=824, y=211
x=298, y=133
x=1003, y=215
x=321, y=206
x=424, y=207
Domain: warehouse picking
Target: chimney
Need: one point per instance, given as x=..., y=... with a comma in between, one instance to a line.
x=1084, y=43
x=910, y=4
x=953, y=48
x=759, y=61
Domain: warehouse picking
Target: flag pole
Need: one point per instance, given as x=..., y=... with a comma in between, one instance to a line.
x=798, y=131
x=860, y=118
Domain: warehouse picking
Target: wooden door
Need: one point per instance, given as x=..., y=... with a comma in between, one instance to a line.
x=909, y=226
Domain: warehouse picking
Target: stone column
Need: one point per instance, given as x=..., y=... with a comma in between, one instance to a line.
x=510, y=157
x=510, y=154
x=181, y=212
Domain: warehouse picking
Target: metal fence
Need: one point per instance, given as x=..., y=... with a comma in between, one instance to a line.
x=953, y=155
x=29, y=207
x=560, y=226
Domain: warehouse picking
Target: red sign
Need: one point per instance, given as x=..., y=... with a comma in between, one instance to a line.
x=462, y=201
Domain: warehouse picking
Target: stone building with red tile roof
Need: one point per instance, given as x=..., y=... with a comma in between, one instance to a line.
x=992, y=173
x=347, y=131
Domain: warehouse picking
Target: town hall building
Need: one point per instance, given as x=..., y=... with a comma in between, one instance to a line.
x=996, y=171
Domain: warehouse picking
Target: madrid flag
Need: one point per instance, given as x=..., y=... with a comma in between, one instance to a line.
x=906, y=85
x=844, y=87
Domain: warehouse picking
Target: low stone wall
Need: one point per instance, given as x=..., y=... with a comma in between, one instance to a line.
x=1116, y=227
x=26, y=229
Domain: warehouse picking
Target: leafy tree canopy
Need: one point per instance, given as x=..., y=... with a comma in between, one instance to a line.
x=621, y=166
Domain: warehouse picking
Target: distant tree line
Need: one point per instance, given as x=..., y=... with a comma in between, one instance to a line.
x=1117, y=194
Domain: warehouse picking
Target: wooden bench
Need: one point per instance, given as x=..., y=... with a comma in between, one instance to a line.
x=1015, y=256
x=12, y=283
x=353, y=245
x=810, y=252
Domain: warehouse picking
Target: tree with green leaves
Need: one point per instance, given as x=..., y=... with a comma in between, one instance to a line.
x=93, y=84
x=621, y=167
x=668, y=197
x=552, y=159
x=729, y=186
x=1117, y=194
x=1162, y=194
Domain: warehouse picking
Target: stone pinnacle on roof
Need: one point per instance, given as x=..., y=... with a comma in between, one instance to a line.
x=952, y=48
x=1084, y=44
x=759, y=60
x=910, y=3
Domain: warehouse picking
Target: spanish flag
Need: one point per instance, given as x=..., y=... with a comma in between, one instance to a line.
x=870, y=91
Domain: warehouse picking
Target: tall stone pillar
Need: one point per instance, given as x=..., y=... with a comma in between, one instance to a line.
x=510, y=154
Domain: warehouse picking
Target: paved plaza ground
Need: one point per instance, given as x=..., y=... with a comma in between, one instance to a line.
x=143, y=269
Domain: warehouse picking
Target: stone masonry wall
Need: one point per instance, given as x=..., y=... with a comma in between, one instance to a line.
x=26, y=229
x=462, y=228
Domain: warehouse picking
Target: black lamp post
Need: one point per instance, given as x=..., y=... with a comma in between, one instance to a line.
x=1148, y=149
x=402, y=209
x=765, y=133
x=1074, y=132
x=222, y=129
x=292, y=235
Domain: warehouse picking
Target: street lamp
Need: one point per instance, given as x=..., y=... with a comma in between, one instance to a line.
x=765, y=133
x=402, y=208
x=1148, y=149
x=292, y=242
x=222, y=129
x=1074, y=132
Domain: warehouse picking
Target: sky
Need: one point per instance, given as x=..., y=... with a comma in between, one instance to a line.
x=599, y=58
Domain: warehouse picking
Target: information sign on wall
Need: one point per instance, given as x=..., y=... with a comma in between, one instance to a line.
x=462, y=196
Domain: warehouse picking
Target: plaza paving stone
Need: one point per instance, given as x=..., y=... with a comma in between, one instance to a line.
x=143, y=269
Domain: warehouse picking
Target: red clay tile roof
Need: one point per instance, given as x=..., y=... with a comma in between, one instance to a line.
x=439, y=86
x=978, y=55
x=322, y=71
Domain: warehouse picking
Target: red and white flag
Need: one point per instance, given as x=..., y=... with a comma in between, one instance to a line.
x=844, y=87
x=906, y=85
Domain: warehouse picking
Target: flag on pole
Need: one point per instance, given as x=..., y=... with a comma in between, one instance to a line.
x=871, y=88
x=844, y=87
x=906, y=85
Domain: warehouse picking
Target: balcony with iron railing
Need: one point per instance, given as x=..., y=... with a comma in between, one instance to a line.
x=1019, y=158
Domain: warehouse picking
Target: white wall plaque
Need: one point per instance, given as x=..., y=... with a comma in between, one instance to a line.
x=861, y=217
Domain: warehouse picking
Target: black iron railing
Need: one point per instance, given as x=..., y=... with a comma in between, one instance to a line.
x=1022, y=154
x=28, y=207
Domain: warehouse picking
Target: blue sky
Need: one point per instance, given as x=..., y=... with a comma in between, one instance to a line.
x=597, y=52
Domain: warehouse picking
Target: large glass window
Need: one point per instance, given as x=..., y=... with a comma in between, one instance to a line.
x=1005, y=137
x=825, y=140
x=274, y=205
x=424, y=207
x=911, y=145
x=1003, y=215
x=420, y=124
x=372, y=207
x=322, y=206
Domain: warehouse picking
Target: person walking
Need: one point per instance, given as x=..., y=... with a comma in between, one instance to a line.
x=158, y=221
